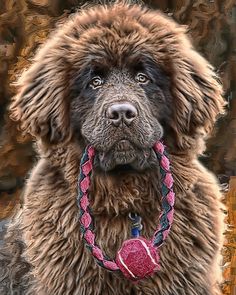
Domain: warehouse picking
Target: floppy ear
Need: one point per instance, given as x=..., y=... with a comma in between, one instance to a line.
x=197, y=96
x=41, y=105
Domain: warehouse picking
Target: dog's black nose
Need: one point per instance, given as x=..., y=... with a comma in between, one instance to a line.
x=122, y=112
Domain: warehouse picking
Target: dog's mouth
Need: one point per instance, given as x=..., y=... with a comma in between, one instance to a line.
x=124, y=156
x=125, y=168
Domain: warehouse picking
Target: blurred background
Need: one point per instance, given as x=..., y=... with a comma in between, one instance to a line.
x=25, y=24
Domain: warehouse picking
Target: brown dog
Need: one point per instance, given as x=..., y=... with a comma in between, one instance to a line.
x=119, y=78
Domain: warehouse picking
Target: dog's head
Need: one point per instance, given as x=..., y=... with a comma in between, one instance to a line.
x=119, y=78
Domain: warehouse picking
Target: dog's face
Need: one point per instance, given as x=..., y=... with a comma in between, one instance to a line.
x=118, y=109
x=119, y=78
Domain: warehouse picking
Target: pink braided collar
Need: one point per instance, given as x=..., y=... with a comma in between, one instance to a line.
x=138, y=257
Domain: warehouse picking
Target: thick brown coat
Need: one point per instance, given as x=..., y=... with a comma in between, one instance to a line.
x=190, y=257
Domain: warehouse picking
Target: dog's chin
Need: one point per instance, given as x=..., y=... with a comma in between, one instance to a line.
x=123, y=157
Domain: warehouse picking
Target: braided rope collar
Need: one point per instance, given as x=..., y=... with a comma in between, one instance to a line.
x=138, y=257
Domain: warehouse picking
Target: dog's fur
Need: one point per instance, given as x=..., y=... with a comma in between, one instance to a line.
x=58, y=104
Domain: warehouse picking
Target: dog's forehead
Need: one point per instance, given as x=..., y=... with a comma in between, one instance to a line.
x=126, y=17
x=121, y=76
x=120, y=32
x=114, y=43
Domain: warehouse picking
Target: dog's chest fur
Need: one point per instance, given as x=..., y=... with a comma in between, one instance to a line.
x=51, y=226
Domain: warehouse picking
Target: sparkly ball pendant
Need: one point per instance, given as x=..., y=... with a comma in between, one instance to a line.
x=137, y=258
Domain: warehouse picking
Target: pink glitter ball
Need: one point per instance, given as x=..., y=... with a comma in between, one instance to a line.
x=137, y=258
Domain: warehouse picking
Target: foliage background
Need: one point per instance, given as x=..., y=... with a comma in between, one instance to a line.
x=25, y=24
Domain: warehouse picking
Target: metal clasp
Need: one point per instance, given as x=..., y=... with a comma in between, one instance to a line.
x=136, y=226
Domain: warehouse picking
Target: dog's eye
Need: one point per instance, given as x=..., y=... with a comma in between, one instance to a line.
x=142, y=78
x=96, y=82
